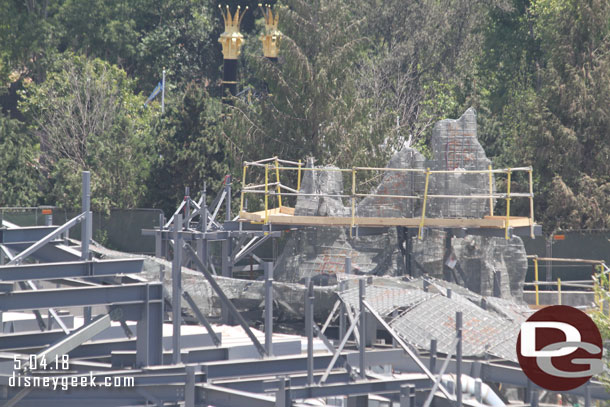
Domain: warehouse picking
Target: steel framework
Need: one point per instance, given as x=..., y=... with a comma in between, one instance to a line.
x=120, y=337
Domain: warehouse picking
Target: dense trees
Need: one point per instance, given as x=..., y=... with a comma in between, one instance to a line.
x=87, y=118
x=354, y=80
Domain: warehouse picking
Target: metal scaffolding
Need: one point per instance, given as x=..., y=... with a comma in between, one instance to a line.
x=104, y=321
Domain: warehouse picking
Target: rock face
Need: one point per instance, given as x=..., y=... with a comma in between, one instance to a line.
x=486, y=265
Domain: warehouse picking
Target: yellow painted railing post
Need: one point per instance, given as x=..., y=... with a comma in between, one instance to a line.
x=243, y=185
x=353, y=202
x=277, y=176
x=507, y=222
x=531, y=203
x=423, y=209
x=299, y=177
x=536, y=280
x=559, y=291
x=491, y=192
x=266, y=193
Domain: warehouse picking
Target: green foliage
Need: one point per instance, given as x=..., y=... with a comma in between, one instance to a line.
x=88, y=118
x=600, y=314
x=19, y=172
x=354, y=81
x=190, y=147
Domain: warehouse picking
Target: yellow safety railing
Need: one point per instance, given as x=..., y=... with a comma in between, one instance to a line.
x=577, y=284
x=282, y=190
x=423, y=208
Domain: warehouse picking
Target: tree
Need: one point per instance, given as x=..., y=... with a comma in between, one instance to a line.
x=190, y=148
x=19, y=172
x=88, y=118
x=312, y=107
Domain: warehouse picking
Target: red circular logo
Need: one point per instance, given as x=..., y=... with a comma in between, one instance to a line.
x=559, y=348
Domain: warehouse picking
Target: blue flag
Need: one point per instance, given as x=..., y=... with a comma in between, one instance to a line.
x=154, y=93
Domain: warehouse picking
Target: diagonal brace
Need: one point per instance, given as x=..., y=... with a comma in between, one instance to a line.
x=225, y=300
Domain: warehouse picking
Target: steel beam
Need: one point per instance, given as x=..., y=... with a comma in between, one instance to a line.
x=225, y=300
x=405, y=347
x=177, y=288
x=45, y=240
x=80, y=269
x=29, y=234
x=222, y=397
x=78, y=297
x=76, y=338
x=360, y=388
x=201, y=318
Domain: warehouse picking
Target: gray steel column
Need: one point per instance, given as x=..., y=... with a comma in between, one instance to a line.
x=228, y=199
x=341, y=313
x=348, y=265
x=204, y=208
x=458, y=353
x=478, y=385
x=85, y=234
x=407, y=395
x=159, y=238
x=149, y=331
x=433, y=344
x=86, y=226
x=309, y=299
x=362, y=327
x=587, y=395
x=534, y=402
x=189, y=387
x=224, y=262
x=268, y=266
x=282, y=396
x=176, y=288
x=187, y=206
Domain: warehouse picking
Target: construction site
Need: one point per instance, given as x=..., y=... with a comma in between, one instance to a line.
x=410, y=292
x=404, y=285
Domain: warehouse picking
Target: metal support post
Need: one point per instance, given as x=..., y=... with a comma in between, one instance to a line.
x=394, y=315
x=224, y=261
x=458, y=354
x=433, y=344
x=228, y=199
x=86, y=228
x=449, y=292
x=587, y=395
x=309, y=300
x=159, y=238
x=348, y=265
x=341, y=313
x=268, y=267
x=176, y=288
x=407, y=395
x=282, y=396
x=86, y=208
x=478, y=383
x=204, y=209
x=189, y=387
x=534, y=402
x=187, y=207
x=149, y=331
x=361, y=295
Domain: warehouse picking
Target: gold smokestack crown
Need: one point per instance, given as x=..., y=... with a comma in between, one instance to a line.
x=231, y=39
x=272, y=36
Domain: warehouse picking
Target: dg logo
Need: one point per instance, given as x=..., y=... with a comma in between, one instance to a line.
x=559, y=348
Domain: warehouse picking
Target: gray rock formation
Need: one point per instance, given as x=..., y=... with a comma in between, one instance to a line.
x=486, y=265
